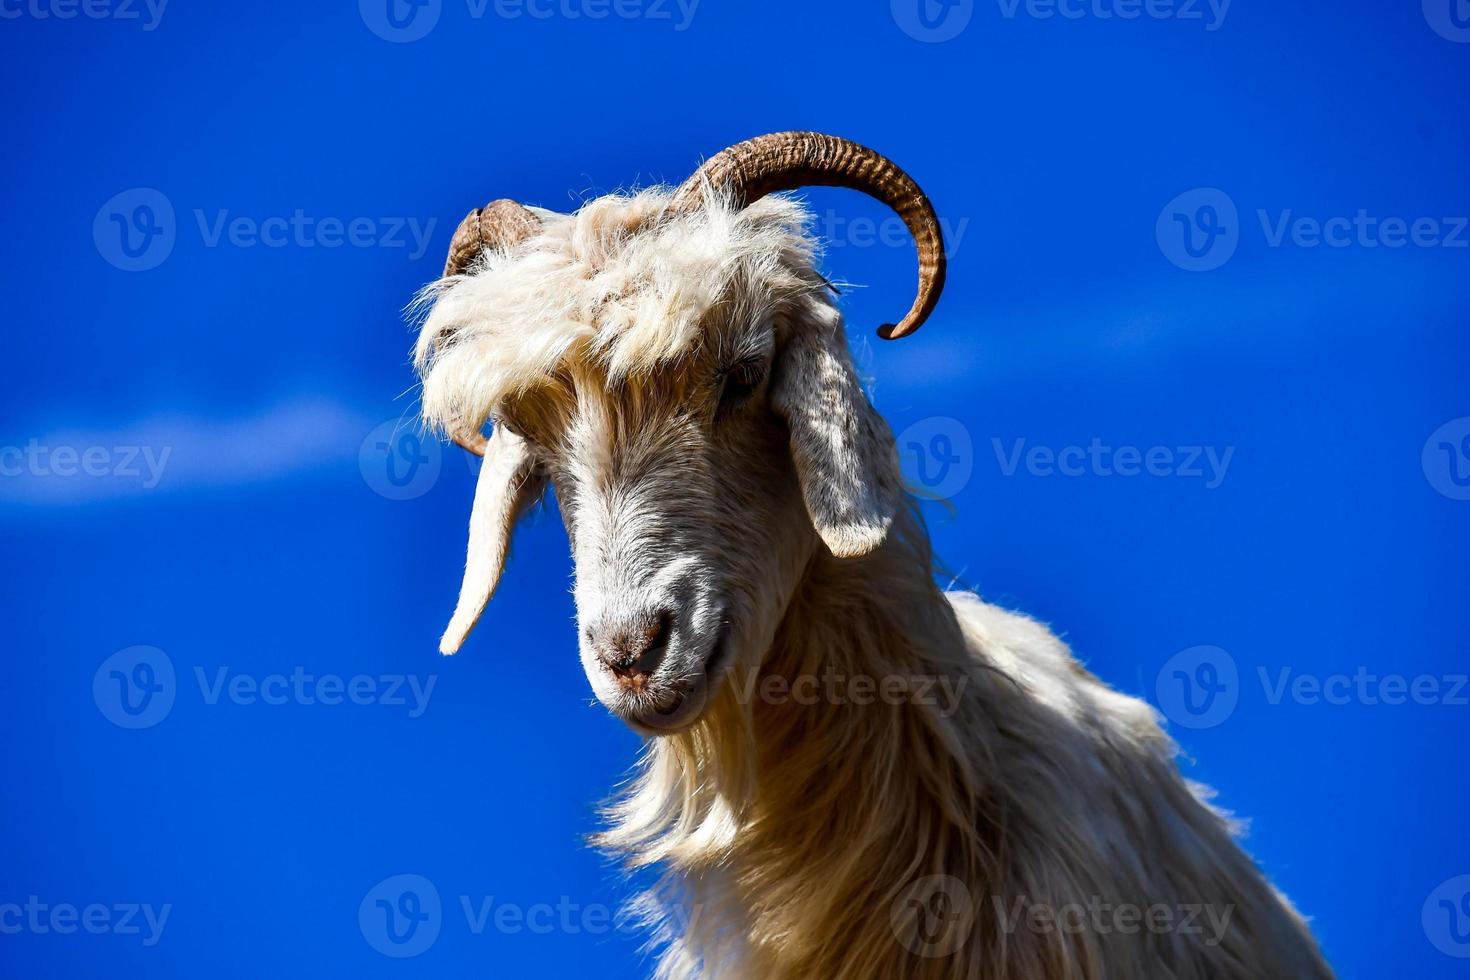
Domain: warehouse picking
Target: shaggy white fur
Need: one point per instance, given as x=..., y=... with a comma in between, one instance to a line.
x=1003, y=814
x=612, y=283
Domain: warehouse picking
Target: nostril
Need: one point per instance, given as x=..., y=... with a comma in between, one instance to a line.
x=633, y=653
x=662, y=630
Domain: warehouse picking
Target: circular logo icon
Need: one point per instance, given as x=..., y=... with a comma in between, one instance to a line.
x=400, y=21
x=1446, y=459
x=1199, y=687
x=1446, y=917
x=1449, y=18
x=1199, y=230
x=937, y=456
x=933, y=916
x=933, y=21
x=398, y=461
x=135, y=230
x=135, y=688
x=401, y=916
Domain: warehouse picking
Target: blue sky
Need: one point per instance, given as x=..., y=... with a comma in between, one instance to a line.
x=219, y=213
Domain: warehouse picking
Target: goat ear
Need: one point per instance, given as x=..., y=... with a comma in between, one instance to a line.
x=844, y=452
x=509, y=483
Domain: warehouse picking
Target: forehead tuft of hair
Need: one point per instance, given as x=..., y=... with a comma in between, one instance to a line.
x=621, y=286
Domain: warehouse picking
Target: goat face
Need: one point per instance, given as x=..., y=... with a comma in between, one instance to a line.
x=695, y=495
x=673, y=364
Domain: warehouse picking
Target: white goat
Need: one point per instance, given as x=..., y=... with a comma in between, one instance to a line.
x=850, y=774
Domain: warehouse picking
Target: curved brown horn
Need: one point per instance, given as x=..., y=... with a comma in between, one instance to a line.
x=786, y=161
x=499, y=224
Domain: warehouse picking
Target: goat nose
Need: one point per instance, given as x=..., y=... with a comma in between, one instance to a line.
x=633, y=650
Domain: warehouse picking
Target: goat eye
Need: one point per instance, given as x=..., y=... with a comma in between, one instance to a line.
x=741, y=381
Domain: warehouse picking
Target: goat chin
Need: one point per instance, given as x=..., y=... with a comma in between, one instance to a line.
x=1035, y=810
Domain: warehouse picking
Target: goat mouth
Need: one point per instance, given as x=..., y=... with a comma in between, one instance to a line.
x=687, y=703
x=679, y=713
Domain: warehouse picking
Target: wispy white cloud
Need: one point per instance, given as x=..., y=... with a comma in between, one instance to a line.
x=170, y=453
x=1151, y=327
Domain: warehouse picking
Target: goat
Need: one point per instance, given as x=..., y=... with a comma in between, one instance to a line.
x=675, y=368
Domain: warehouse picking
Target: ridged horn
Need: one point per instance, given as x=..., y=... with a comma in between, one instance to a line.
x=499, y=224
x=765, y=165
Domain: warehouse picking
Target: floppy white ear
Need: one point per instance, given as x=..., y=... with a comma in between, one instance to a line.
x=844, y=451
x=508, y=484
